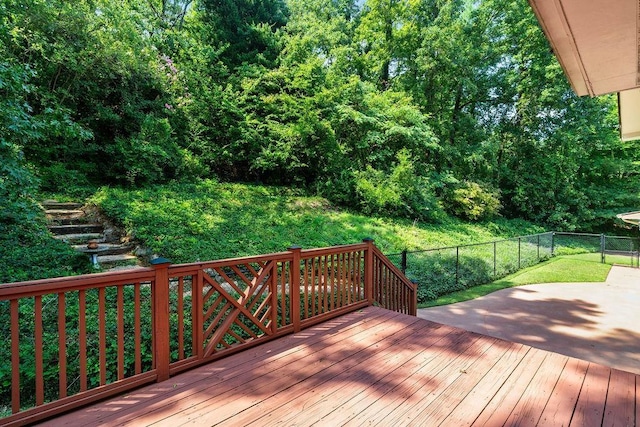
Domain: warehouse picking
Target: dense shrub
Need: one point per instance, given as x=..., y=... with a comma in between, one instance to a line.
x=469, y=200
x=401, y=193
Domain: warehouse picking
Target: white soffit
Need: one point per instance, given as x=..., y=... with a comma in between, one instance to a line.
x=596, y=42
x=630, y=217
x=629, y=110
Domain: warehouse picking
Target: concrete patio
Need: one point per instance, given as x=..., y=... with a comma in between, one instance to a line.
x=597, y=322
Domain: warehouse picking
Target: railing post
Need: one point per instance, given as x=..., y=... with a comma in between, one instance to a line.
x=161, y=344
x=403, y=262
x=414, y=300
x=368, y=270
x=294, y=287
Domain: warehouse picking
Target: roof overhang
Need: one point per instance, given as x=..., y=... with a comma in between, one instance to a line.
x=596, y=42
x=597, y=45
x=630, y=217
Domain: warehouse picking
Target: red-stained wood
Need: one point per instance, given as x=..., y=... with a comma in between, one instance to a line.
x=62, y=347
x=529, y=408
x=102, y=328
x=589, y=409
x=378, y=353
x=373, y=366
x=471, y=374
x=480, y=395
x=137, y=329
x=39, y=348
x=232, y=397
x=294, y=288
x=151, y=401
x=620, y=406
x=433, y=389
x=563, y=400
x=428, y=351
x=120, y=333
x=15, y=357
x=180, y=326
x=82, y=337
x=500, y=406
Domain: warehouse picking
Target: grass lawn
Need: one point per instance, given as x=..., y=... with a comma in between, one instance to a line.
x=608, y=259
x=561, y=269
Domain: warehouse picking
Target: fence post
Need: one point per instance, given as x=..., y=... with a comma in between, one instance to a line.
x=602, y=247
x=294, y=287
x=519, y=240
x=413, y=310
x=368, y=270
x=538, y=236
x=553, y=241
x=161, y=344
x=494, y=259
x=403, y=262
x=457, y=262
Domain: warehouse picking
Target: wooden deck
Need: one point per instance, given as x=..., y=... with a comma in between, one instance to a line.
x=373, y=367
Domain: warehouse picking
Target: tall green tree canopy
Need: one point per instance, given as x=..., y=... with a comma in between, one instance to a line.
x=346, y=98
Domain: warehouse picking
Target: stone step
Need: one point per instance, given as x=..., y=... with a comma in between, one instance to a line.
x=76, y=228
x=52, y=204
x=107, y=248
x=78, y=238
x=69, y=221
x=64, y=213
x=123, y=268
x=113, y=259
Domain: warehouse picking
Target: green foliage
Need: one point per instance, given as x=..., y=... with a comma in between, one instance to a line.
x=210, y=220
x=323, y=96
x=469, y=200
x=402, y=193
x=28, y=252
x=560, y=269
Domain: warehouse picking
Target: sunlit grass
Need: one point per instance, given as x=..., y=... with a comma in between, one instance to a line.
x=210, y=220
x=562, y=269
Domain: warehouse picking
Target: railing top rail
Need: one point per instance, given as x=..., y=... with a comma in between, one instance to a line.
x=310, y=253
x=178, y=268
x=71, y=283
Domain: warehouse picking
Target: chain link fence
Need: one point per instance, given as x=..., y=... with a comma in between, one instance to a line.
x=443, y=270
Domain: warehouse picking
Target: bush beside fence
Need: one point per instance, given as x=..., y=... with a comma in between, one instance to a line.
x=444, y=270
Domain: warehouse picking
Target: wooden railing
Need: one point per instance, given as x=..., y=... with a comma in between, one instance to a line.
x=70, y=341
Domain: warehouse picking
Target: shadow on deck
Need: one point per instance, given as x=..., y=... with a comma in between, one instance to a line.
x=374, y=366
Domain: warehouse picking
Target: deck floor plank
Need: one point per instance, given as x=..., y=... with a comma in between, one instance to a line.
x=501, y=405
x=435, y=412
x=153, y=398
x=562, y=402
x=306, y=400
x=429, y=359
x=620, y=406
x=235, y=396
x=374, y=410
x=589, y=410
x=377, y=356
x=373, y=367
x=395, y=408
x=529, y=408
x=465, y=412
